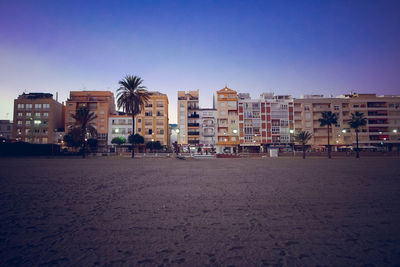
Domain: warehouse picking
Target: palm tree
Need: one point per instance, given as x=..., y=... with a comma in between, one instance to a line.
x=303, y=137
x=357, y=120
x=84, y=122
x=328, y=119
x=132, y=96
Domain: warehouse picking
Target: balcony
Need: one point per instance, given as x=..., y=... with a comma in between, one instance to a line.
x=193, y=124
x=192, y=107
x=193, y=116
x=193, y=142
x=193, y=133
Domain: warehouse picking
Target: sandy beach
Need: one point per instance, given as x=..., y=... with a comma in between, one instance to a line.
x=216, y=212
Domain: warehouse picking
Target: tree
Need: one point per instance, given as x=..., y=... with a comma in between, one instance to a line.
x=92, y=142
x=84, y=121
x=72, y=139
x=135, y=139
x=303, y=137
x=118, y=141
x=154, y=145
x=328, y=119
x=357, y=120
x=131, y=97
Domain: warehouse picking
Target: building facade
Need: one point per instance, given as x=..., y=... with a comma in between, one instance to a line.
x=100, y=103
x=226, y=104
x=37, y=118
x=119, y=126
x=6, y=129
x=382, y=114
x=188, y=120
x=152, y=122
x=208, y=129
x=265, y=122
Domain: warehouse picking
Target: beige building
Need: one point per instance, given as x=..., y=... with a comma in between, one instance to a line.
x=226, y=104
x=152, y=123
x=188, y=120
x=37, y=118
x=99, y=102
x=382, y=114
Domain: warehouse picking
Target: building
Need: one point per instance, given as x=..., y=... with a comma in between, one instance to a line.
x=37, y=118
x=382, y=114
x=266, y=122
x=6, y=130
x=152, y=122
x=99, y=102
x=188, y=120
x=208, y=129
x=226, y=104
x=119, y=125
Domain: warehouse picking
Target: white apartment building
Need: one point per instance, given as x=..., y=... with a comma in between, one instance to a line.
x=208, y=129
x=119, y=126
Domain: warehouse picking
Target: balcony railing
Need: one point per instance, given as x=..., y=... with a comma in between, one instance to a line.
x=193, y=133
x=193, y=124
x=193, y=116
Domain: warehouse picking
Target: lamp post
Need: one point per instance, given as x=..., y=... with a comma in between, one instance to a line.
x=291, y=131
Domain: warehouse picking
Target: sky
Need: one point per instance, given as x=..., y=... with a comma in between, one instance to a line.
x=286, y=47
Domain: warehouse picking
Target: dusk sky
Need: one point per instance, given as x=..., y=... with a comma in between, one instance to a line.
x=286, y=47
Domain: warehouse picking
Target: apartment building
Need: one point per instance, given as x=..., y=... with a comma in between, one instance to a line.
x=188, y=120
x=226, y=104
x=152, y=122
x=6, y=129
x=265, y=122
x=101, y=103
x=37, y=118
x=382, y=113
x=120, y=125
x=208, y=129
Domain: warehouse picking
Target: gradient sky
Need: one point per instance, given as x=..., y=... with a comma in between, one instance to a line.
x=286, y=47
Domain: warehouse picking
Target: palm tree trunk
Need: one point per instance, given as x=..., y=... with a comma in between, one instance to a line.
x=357, y=152
x=329, y=144
x=133, y=133
x=83, y=137
x=304, y=151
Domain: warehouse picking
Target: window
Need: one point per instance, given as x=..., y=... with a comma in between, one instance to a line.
x=232, y=104
x=308, y=116
x=46, y=106
x=223, y=104
x=45, y=114
x=308, y=124
x=37, y=122
x=28, y=114
x=28, y=106
x=20, y=106
x=139, y=129
x=101, y=120
x=70, y=104
x=139, y=120
x=160, y=104
x=223, y=113
x=19, y=114
x=336, y=107
x=306, y=107
x=28, y=123
x=44, y=140
x=38, y=106
x=148, y=113
x=101, y=111
x=19, y=122
x=37, y=114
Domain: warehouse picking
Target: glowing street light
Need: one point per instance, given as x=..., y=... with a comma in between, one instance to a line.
x=344, y=131
x=291, y=131
x=394, y=130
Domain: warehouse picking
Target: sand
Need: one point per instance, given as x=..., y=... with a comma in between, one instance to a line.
x=217, y=212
